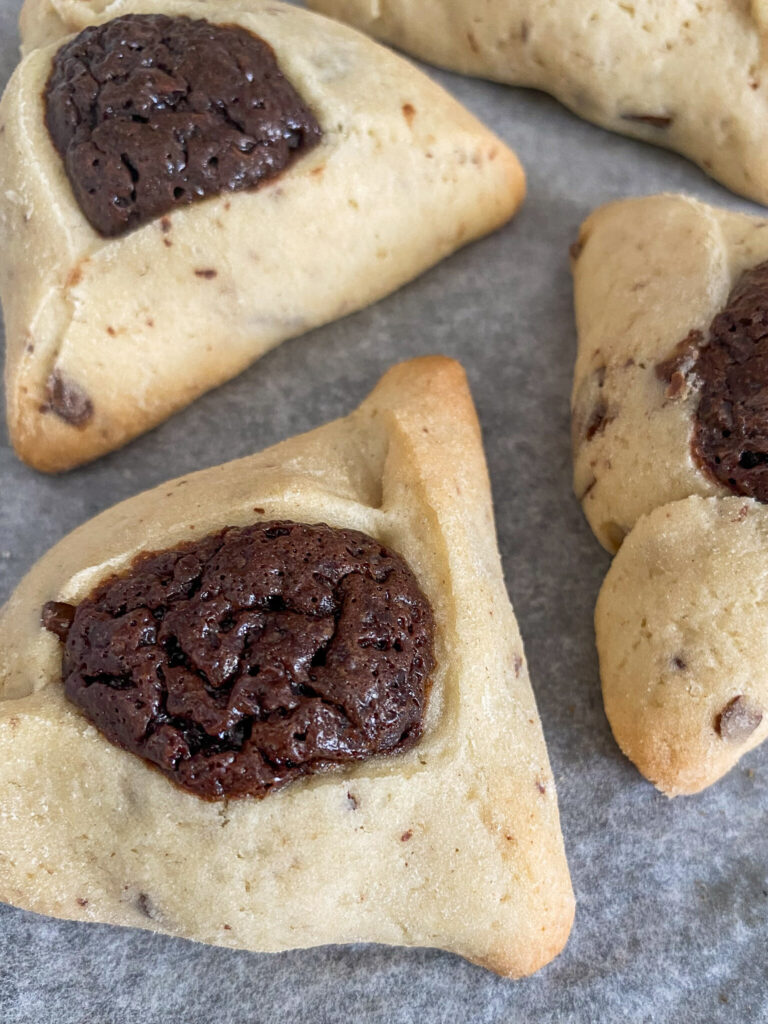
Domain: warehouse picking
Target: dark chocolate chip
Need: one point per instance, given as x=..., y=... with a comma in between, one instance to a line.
x=590, y=413
x=68, y=400
x=57, y=618
x=588, y=489
x=654, y=120
x=598, y=420
x=677, y=370
x=738, y=719
x=145, y=905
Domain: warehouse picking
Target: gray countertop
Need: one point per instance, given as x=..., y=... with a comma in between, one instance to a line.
x=672, y=917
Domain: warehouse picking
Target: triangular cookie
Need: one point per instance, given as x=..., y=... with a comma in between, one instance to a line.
x=653, y=280
x=682, y=632
x=688, y=76
x=455, y=843
x=106, y=337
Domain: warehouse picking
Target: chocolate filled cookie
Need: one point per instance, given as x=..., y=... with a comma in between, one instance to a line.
x=284, y=702
x=670, y=394
x=187, y=186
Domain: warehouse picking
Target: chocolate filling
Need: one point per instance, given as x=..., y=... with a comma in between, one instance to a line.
x=731, y=433
x=245, y=660
x=729, y=369
x=150, y=112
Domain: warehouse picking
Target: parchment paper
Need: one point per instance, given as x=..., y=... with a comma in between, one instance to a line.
x=672, y=918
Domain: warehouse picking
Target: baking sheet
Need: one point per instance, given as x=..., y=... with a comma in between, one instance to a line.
x=672, y=917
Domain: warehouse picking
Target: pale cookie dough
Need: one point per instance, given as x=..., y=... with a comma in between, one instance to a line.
x=687, y=75
x=131, y=329
x=647, y=272
x=682, y=633
x=454, y=844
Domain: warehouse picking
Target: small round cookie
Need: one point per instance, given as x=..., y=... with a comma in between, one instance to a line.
x=682, y=635
x=670, y=393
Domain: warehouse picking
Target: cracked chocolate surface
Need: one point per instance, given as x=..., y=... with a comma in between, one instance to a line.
x=254, y=656
x=150, y=112
x=730, y=437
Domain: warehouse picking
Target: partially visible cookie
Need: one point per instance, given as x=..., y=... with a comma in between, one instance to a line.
x=687, y=75
x=670, y=394
x=317, y=639
x=186, y=185
x=682, y=634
